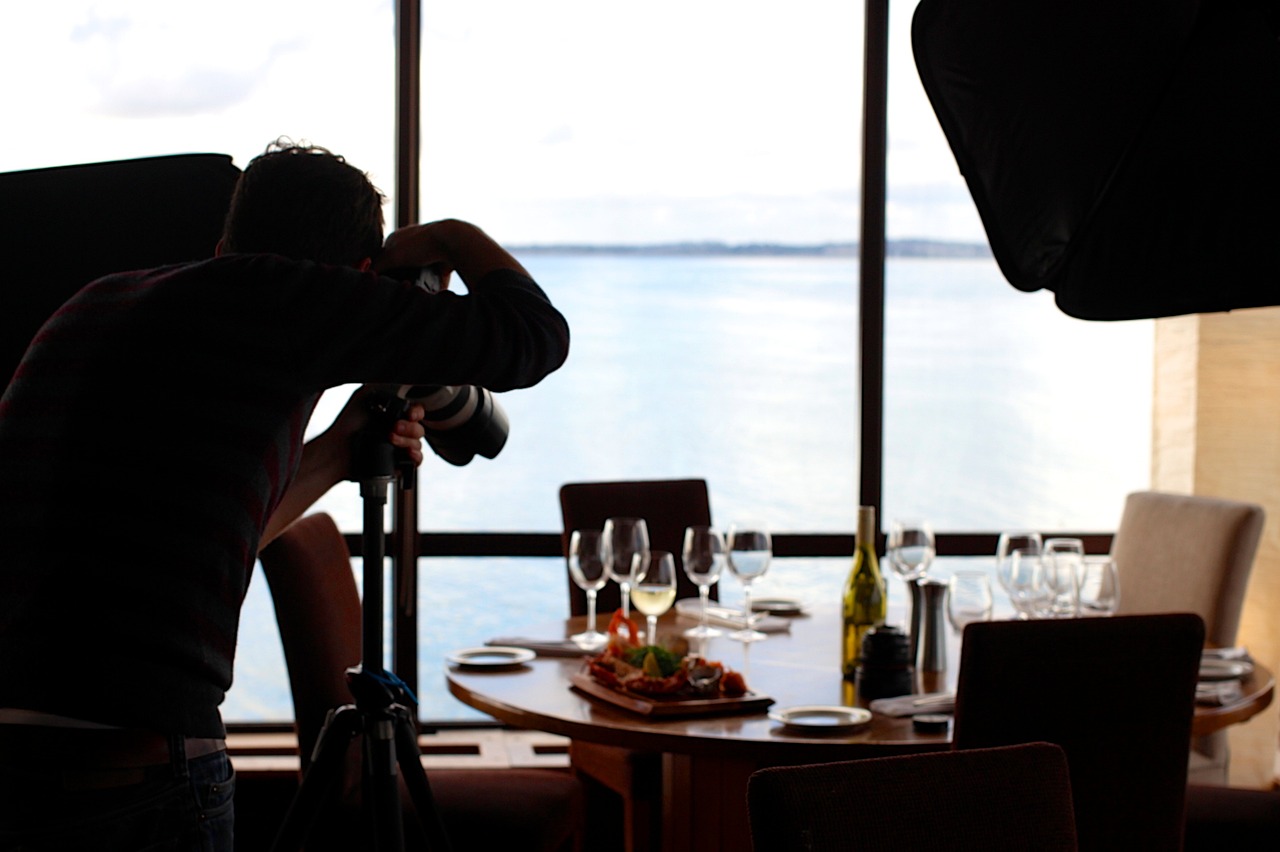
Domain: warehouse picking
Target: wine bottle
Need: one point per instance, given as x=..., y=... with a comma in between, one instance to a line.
x=865, y=594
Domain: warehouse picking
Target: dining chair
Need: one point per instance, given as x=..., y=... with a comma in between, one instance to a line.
x=668, y=506
x=1189, y=553
x=993, y=799
x=1231, y=818
x=1117, y=694
x=317, y=605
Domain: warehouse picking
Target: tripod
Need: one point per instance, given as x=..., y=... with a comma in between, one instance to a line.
x=381, y=712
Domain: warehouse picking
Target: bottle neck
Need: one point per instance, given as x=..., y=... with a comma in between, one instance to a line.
x=866, y=535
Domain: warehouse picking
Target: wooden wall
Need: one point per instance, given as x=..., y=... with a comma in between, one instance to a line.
x=1216, y=431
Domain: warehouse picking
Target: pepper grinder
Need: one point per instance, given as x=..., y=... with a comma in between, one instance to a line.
x=932, y=647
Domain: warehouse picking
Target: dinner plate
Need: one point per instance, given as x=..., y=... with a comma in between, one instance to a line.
x=1211, y=669
x=822, y=717
x=777, y=606
x=491, y=657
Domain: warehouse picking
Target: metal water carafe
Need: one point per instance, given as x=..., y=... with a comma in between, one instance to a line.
x=931, y=650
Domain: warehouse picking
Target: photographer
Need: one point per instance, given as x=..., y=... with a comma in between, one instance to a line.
x=125, y=566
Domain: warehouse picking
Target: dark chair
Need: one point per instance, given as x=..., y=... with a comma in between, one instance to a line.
x=1117, y=694
x=1008, y=798
x=668, y=506
x=308, y=568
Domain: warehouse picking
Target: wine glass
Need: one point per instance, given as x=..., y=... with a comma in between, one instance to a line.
x=750, y=552
x=653, y=588
x=910, y=549
x=968, y=598
x=1023, y=579
x=1099, y=587
x=1063, y=561
x=586, y=567
x=625, y=539
x=703, y=560
x=1025, y=544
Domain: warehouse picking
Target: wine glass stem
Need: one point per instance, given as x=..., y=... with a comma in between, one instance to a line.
x=651, y=638
x=704, y=592
x=591, y=610
x=748, y=622
x=626, y=599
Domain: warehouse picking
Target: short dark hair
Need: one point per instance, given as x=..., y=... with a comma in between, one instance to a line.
x=307, y=203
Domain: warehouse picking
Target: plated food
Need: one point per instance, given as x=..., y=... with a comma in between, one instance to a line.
x=654, y=671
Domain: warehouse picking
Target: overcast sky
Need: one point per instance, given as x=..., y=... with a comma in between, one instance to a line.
x=555, y=121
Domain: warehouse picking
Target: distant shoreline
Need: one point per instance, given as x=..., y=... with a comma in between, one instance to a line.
x=893, y=248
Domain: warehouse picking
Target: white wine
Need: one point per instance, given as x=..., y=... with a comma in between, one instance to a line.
x=653, y=600
x=865, y=595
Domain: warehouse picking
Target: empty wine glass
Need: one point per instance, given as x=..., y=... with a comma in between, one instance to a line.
x=586, y=567
x=910, y=549
x=1099, y=587
x=1062, y=563
x=703, y=560
x=750, y=552
x=625, y=539
x=1026, y=544
x=1023, y=579
x=968, y=598
x=653, y=588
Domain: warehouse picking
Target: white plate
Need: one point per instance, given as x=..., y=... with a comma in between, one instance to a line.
x=1211, y=669
x=825, y=718
x=778, y=606
x=491, y=656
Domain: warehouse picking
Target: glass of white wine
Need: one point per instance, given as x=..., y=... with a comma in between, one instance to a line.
x=625, y=539
x=750, y=552
x=586, y=567
x=653, y=588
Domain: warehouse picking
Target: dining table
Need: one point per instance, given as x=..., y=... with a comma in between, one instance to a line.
x=708, y=759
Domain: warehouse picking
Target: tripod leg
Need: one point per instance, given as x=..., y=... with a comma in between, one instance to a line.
x=321, y=780
x=415, y=780
x=382, y=785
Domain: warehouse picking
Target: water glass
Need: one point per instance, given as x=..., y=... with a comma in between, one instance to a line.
x=969, y=598
x=1023, y=579
x=1011, y=571
x=1063, y=562
x=586, y=567
x=704, y=558
x=750, y=551
x=1099, y=587
x=625, y=541
x=653, y=588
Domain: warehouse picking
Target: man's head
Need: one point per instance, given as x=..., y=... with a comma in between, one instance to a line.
x=306, y=203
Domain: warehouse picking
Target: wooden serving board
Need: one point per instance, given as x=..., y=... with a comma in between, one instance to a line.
x=658, y=707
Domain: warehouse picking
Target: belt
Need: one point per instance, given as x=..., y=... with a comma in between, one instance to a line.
x=97, y=748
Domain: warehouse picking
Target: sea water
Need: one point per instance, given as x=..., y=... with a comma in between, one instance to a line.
x=999, y=412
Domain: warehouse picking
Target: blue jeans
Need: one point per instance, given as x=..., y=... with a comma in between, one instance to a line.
x=185, y=806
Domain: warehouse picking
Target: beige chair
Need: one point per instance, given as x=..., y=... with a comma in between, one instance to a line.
x=1186, y=553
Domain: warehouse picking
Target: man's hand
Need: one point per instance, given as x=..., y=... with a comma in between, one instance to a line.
x=447, y=245
x=328, y=458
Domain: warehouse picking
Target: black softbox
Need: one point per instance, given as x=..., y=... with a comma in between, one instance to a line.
x=62, y=227
x=1124, y=154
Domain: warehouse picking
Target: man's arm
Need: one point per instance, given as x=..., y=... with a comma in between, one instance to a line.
x=448, y=245
x=326, y=460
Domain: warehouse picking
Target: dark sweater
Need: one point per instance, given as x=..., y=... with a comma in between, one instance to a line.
x=150, y=431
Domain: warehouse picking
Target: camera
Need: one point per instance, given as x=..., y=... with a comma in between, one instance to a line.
x=461, y=421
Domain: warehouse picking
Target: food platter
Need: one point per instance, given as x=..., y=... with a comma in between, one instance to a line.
x=668, y=706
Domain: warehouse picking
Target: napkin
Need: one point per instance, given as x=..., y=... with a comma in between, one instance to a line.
x=542, y=647
x=914, y=704
x=1217, y=693
x=723, y=616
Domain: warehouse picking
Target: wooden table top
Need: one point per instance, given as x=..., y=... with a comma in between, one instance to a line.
x=798, y=667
